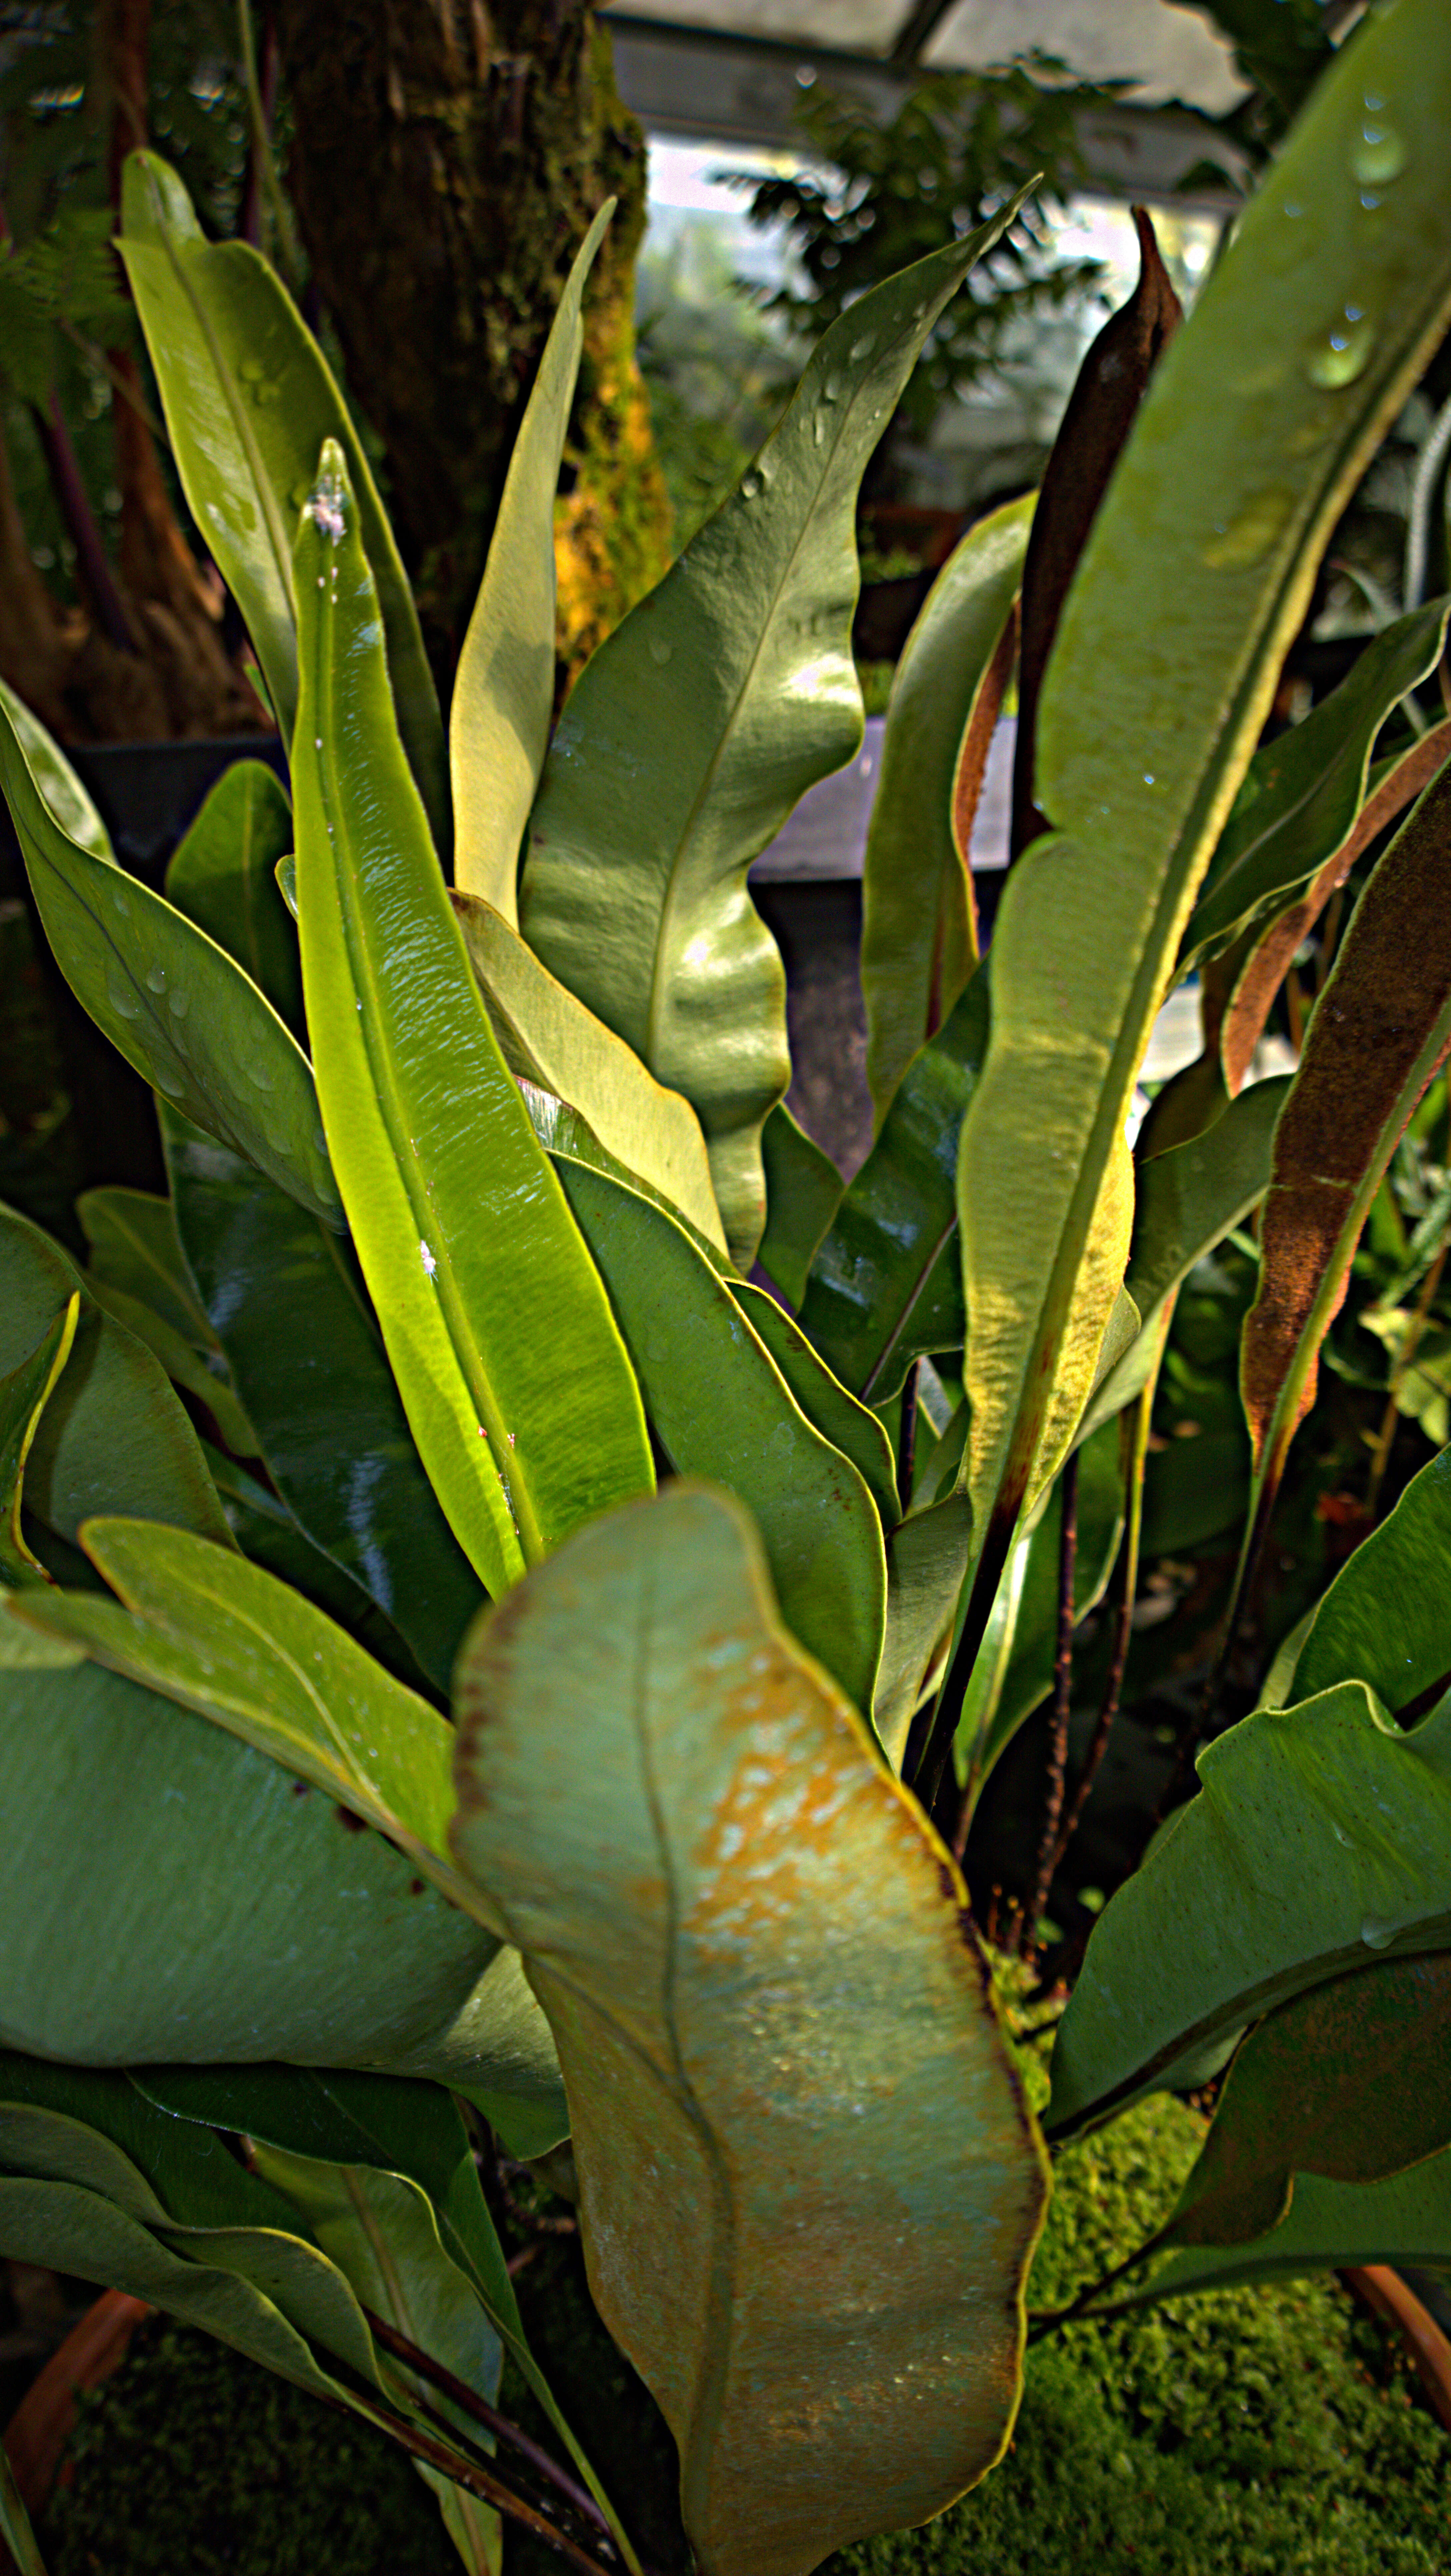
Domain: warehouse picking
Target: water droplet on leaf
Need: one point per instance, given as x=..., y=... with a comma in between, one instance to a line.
x=122, y=998
x=1252, y=531
x=1378, y=153
x=178, y=1002
x=1341, y=356
x=660, y=651
x=156, y=978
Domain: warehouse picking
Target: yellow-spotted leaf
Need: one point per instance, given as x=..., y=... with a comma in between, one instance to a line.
x=514, y=1378
x=809, y=2183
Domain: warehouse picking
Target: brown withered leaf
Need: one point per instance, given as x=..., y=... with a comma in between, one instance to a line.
x=1380, y=1029
x=1110, y=387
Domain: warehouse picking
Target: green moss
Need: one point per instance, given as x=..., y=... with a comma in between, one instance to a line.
x=192, y=2461
x=1268, y=2432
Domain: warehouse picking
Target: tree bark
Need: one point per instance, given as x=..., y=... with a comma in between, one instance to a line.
x=447, y=159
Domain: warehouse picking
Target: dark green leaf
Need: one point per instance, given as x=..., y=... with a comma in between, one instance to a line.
x=24, y=1393
x=223, y=877
x=803, y=1191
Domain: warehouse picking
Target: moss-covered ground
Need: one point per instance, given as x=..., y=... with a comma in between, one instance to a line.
x=1273, y=2432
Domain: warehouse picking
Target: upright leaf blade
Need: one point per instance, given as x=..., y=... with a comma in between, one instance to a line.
x=175, y=1004
x=459, y=1223
x=696, y=728
x=803, y=1192
x=919, y=940
x=249, y=399
x=797, y=2133
x=1196, y=574
x=134, y=1247
x=223, y=877
x=1320, y=1834
x=503, y=693
x=1386, y=1619
x=25, y=1391
x=303, y=1347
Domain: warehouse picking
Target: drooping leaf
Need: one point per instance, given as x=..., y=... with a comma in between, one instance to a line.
x=1195, y=576
x=112, y=1436
x=1386, y=1618
x=460, y=1225
x=503, y=691
x=850, y=1427
x=1262, y=958
x=809, y=2184
x=170, y=1893
x=803, y=1192
x=1351, y=2081
x=25, y=1391
x=700, y=722
x=1330, y=2225
x=175, y=1004
x=1186, y=1201
x=68, y=799
x=722, y=1408
x=134, y=1247
x=888, y=1268
x=1110, y=385
x=223, y=876
x=249, y=399
x=1303, y=792
x=919, y=931
x=220, y=1636
x=1379, y=1031
x=548, y=1038
x=303, y=1347
x=1321, y=1834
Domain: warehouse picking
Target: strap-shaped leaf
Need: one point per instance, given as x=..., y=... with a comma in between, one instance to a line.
x=303, y=1347
x=1257, y=424
x=223, y=877
x=134, y=1247
x=888, y=1268
x=548, y=1038
x=223, y=1637
x=722, y=1407
x=1386, y=1618
x=462, y=1232
x=1351, y=2081
x=175, y=1004
x=249, y=399
x=1381, y=1028
x=183, y=1365
x=1321, y=1834
x=170, y=1893
x=803, y=1192
x=69, y=801
x=1330, y=2225
x=850, y=1427
x=1187, y=1201
x=1302, y=792
x=503, y=691
x=696, y=728
x=919, y=934
x=112, y=1436
x=809, y=2182
x=25, y=1391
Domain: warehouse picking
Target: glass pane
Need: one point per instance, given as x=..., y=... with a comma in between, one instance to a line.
x=848, y=26
x=1167, y=52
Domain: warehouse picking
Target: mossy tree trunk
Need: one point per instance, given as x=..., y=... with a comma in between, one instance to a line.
x=447, y=158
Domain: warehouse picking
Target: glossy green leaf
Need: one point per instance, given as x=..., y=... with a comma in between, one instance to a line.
x=927, y=1558
x=1386, y=1618
x=25, y=1391
x=1303, y=791
x=1321, y=1836
x=249, y=399
x=503, y=691
x=549, y=1039
x=223, y=877
x=699, y=724
x=174, y=1003
x=1406, y=2219
x=170, y=1893
x=809, y=2185
x=69, y=801
x=1351, y=2081
x=918, y=941
x=303, y=1347
x=221, y=1636
x=1186, y=1201
x=113, y=1436
x=888, y=1267
x=803, y=1192
x=722, y=1407
x=460, y=1225
x=850, y=1426
x=1196, y=575
x=183, y=1365
x=134, y=1247
x=1030, y=1640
